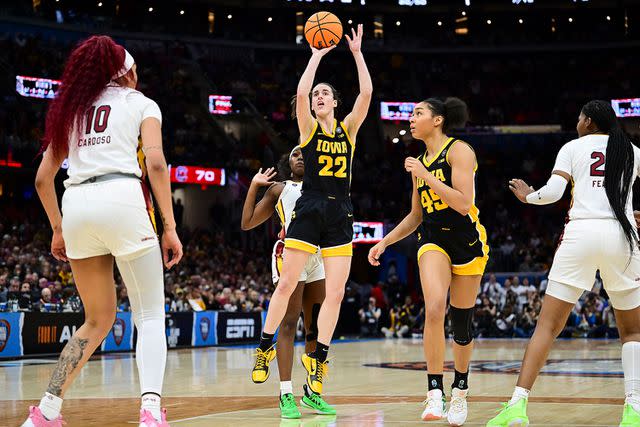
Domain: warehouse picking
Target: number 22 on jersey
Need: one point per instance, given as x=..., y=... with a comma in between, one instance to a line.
x=333, y=166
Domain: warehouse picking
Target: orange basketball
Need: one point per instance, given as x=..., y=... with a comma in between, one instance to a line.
x=323, y=29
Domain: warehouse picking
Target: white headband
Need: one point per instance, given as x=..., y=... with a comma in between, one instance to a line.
x=297, y=147
x=128, y=64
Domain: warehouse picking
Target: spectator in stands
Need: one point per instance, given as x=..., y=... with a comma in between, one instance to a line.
x=71, y=302
x=492, y=289
x=506, y=321
x=485, y=316
x=406, y=317
x=377, y=292
x=45, y=303
x=369, y=316
x=253, y=302
x=526, y=323
x=194, y=297
x=123, y=300
x=390, y=331
x=609, y=322
x=24, y=301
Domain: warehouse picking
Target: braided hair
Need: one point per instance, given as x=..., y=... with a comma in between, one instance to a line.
x=619, y=168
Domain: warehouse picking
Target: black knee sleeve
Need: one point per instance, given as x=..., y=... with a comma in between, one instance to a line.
x=462, y=325
x=312, y=333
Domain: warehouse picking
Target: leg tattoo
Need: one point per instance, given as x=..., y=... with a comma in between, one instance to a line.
x=69, y=359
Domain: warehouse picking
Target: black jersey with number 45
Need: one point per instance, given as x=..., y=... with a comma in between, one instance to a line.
x=327, y=161
x=436, y=214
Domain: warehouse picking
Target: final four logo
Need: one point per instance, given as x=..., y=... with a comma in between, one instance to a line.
x=118, y=328
x=205, y=324
x=5, y=332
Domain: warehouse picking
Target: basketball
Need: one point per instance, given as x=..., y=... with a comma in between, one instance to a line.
x=323, y=29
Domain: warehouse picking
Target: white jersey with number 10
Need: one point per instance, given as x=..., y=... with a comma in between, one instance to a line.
x=107, y=139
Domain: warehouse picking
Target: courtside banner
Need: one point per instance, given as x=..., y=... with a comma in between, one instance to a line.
x=179, y=328
x=48, y=333
x=204, y=328
x=11, y=334
x=120, y=337
x=239, y=328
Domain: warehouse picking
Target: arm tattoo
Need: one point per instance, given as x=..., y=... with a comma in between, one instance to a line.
x=153, y=147
x=69, y=359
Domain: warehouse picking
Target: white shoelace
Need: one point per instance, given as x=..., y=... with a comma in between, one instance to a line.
x=457, y=404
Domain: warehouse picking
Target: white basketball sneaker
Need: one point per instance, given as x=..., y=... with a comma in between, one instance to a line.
x=434, y=406
x=457, y=413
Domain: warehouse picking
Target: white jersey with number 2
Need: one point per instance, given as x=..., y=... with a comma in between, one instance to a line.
x=584, y=159
x=593, y=240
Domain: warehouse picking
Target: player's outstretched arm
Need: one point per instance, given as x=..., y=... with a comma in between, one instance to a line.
x=354, y=120
x=303, y=105
x=253, y=215
x=407, y=226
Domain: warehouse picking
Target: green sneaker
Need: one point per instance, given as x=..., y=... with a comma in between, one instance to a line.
x=314, y=401
x=630, y=417
x=288, y=407
x=511, y=415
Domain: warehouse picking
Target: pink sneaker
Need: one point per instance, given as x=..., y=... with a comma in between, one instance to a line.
x=147, y=419
x=36, y=419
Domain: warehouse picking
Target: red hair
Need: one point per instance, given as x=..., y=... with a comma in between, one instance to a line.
x=88, y=70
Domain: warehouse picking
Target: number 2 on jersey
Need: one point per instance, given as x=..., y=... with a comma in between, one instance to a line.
x=101, y=119
x=329, y=162
x=597, y=165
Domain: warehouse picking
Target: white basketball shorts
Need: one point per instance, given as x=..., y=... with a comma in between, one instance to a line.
x=589, y=245
x=108, y=217
x=313, y=269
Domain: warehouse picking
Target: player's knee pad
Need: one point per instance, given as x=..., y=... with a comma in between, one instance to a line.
x=462, y=325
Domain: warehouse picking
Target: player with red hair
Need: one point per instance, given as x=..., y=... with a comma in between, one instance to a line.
x=95, y=121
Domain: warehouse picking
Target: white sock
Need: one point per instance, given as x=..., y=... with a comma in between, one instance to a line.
x=519, y=393
x=50, y=406
x=151, y=402
x=631, y=368
x=286, y=387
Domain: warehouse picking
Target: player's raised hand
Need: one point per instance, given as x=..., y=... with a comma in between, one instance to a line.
x=520, y=189
x=262, y=179
x=375, y=253
x=355, y=41
x=321, y=52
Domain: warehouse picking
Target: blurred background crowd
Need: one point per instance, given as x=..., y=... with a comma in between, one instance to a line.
x=227, y=269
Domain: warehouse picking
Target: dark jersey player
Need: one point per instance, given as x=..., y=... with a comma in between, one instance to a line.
x=452, y=249
x=323, y=216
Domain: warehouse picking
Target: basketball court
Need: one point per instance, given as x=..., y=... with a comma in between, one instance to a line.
x=371, y=383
